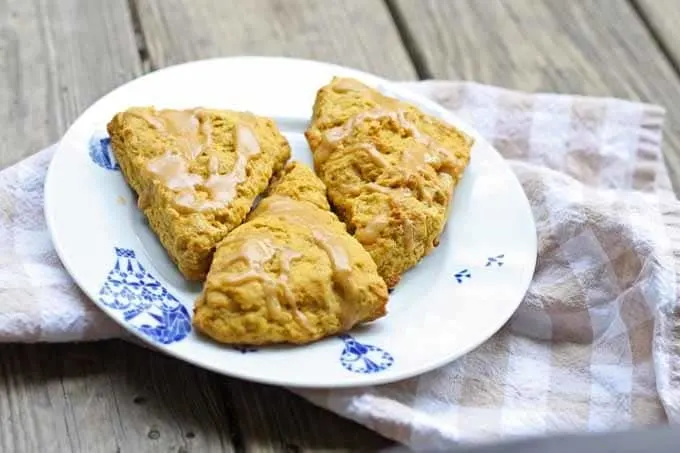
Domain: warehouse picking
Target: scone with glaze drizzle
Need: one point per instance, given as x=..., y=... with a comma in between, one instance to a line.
x=291, y=273
x=390, y=171
x=196, y=173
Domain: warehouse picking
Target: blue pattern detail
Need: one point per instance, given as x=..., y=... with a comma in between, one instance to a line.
x=363, y=358
x=146, y=305
x=462, y=275
x=101, y=154
x=498, y=260
x=244, y=349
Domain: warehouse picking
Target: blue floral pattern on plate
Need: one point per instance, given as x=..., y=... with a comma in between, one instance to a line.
x=497, y=260
x=101, y=154
x=363, y=358
x=492, y=261
x=356, y=357
x=462, y=275
x=146, y=304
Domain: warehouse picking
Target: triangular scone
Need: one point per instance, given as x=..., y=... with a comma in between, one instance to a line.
x=291, y=273
x=197, y=173
x=390, y=170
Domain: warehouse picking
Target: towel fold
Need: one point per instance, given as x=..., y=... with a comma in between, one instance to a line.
x=595, y=345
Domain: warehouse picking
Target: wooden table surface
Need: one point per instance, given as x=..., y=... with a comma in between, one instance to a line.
x=58, y=56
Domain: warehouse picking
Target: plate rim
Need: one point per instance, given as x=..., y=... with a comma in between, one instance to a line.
x=373, y=379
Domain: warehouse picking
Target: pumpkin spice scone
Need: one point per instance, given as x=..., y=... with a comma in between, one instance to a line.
x=196, y=173
x=389, y=168
x=291, y=273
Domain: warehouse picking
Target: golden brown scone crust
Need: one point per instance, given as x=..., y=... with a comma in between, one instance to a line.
x=300, y=183
x=189, y=231
x=389, y=168
x=291, y=273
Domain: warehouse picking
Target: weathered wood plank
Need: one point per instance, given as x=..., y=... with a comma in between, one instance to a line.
x=113, y=396
x=663, y=17
x=589, y=47
x=107, y=397
x=55, y=59
x=356, y=33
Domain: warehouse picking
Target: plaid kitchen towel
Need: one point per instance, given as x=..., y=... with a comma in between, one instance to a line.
x=595, y=345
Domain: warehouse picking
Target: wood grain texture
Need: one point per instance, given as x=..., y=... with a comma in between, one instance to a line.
x=117, y=397
x=355, y=33
x=97, y=398
x=55, y=59
x=663, y=17
x=592, y=47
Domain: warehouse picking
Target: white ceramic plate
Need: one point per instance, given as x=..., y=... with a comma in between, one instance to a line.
x=455, y=299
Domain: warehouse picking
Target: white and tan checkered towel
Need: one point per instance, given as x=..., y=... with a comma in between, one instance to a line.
x=594, y=346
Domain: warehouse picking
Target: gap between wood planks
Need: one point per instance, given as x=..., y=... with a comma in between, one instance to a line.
x=656, y=35
x=414, y=51
x=412, y=47
x=140, y=39
x=424, y=71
